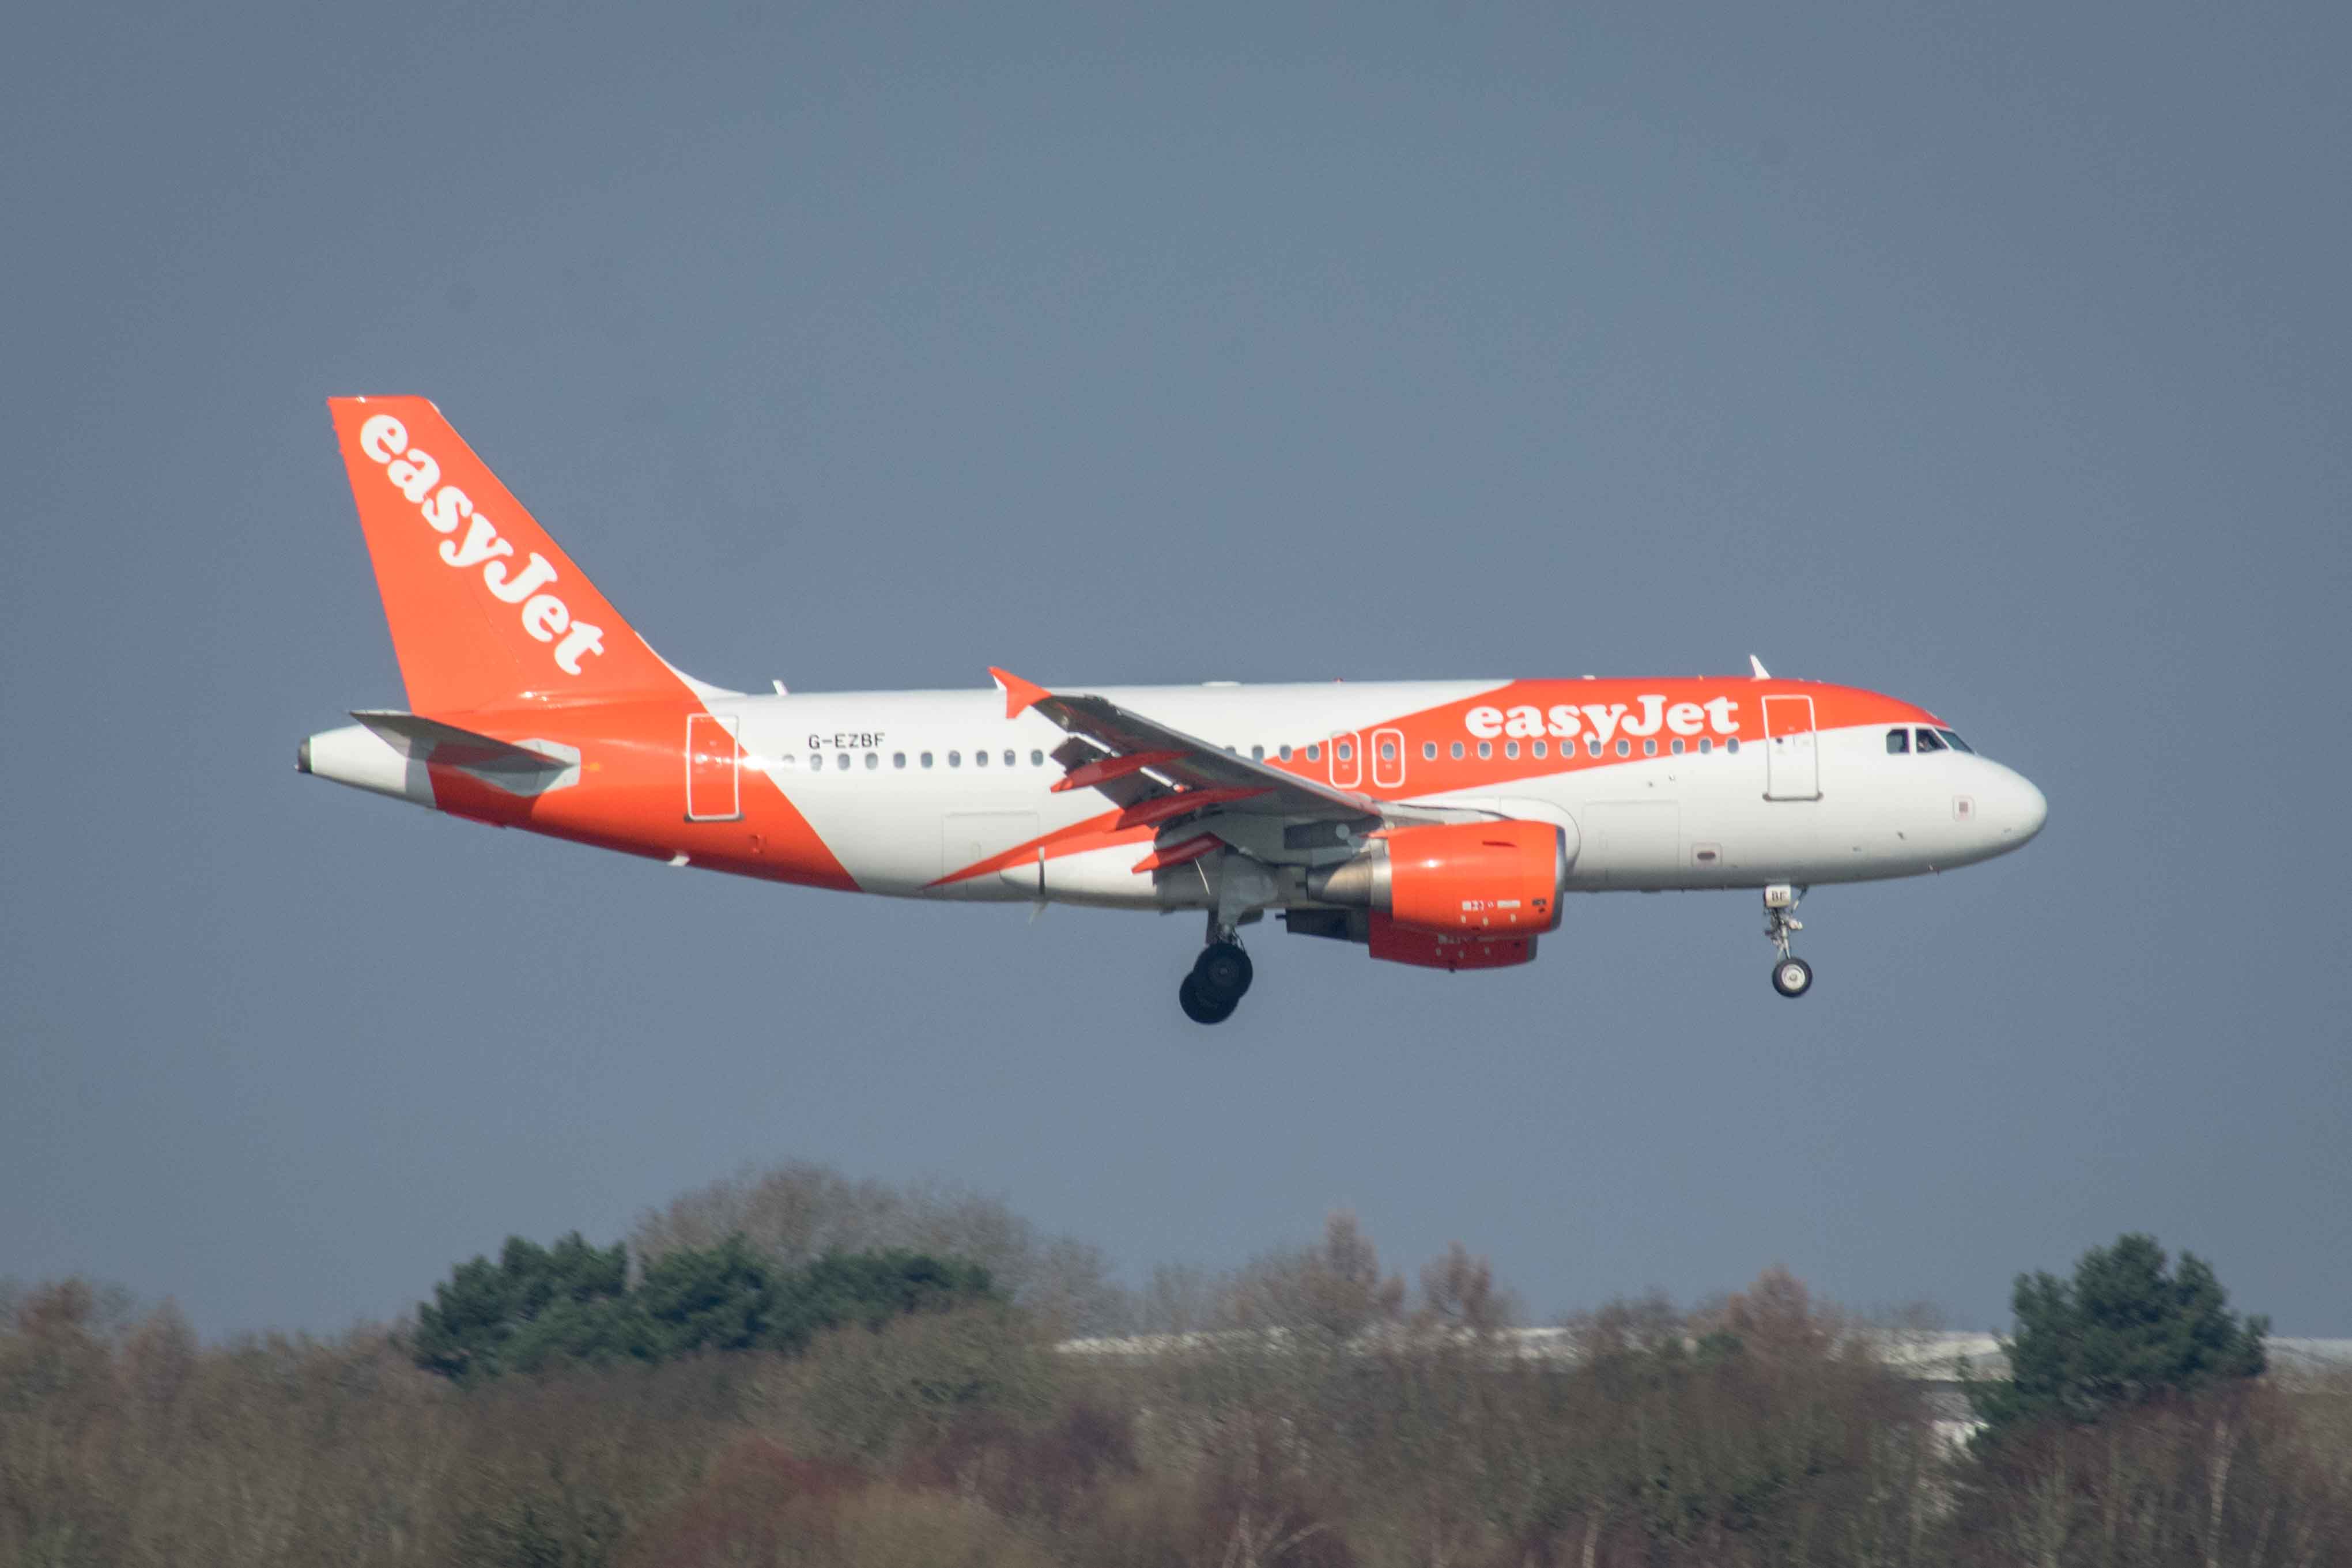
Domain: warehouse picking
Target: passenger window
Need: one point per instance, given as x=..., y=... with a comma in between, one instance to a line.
x=1732, y=746
x=1315, y=753
x=926, y=759
x=1705, y=745
x=1345, y=752
x=1485, y=749
x=1956, y=743
x=1624, y=749
x=790, y=761
x=841, y=761
x=1283, y=752
x=817, y=763
x=1593, y=746
x=873, y=760
x=955, y=758
x=1678, y=746
x=1511, y=749
x=1928, y=742
x=1388, y=751
x=1899, y=742
x=1257, y=753
x=1649, y=749
x=980, y=760
x=1429, y=751
x=1541, y=749
x=1457, y=751
x=1036, y=760
x=1009, y=758
x=897, y=760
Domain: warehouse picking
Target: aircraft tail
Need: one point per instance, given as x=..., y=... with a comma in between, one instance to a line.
x=484, y=608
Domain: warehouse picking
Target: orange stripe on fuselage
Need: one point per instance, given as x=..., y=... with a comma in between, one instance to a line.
x=631, y=794
x=1521, y=704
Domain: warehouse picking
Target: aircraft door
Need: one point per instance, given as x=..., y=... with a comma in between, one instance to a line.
x=713, y=787
x=1388, y=758
x=1792, y=756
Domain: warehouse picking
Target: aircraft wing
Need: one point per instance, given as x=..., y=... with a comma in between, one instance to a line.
x=1149, y=770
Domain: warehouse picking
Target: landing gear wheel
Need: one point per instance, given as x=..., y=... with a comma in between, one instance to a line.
x=1793, y=977
x=1222, y=974
x=1199, y=1009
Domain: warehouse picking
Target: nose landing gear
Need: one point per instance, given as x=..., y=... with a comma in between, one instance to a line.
x=1220, y=979
x=1792, y=976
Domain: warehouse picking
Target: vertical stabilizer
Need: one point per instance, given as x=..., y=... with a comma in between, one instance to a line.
x=484, y=608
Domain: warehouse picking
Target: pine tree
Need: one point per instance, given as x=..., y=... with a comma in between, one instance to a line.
x=542, y=1307
x=2124, y=1330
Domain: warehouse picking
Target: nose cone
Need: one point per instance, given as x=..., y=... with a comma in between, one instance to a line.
x=2018, y=810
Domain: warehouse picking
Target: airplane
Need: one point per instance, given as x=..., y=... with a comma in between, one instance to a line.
x=1435, y=823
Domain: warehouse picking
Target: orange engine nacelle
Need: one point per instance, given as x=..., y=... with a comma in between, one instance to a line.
x=1476, y=876
x=1488, y=879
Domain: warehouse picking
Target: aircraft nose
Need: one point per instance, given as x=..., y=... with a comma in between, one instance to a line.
x=2023, y=808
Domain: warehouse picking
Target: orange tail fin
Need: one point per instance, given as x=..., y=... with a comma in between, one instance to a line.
x=484, y=608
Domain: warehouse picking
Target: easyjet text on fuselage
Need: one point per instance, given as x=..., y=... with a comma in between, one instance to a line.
x=1605, y=721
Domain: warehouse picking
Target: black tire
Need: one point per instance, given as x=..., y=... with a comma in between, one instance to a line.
x=1224, y=972
x=1793, y=977
x=1198, y=1008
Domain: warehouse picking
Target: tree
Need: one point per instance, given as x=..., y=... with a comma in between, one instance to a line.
x=1774, y=1316
x=539, y=1307
x=869, y=1289
x=535, y=1301
x=2125, y=1331
x=1458, y=1291
x=1336, y=1289
x=793, y=1214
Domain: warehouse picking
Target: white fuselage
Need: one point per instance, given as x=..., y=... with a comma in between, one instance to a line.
x=896, y=784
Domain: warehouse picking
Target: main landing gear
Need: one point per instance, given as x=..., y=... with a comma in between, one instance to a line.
x=1792, y=976
x=1220, y=979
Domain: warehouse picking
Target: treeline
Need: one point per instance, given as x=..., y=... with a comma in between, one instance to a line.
x=1329, y=1415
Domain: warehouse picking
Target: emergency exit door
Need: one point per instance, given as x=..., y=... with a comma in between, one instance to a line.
x=713, y=790
x=1792, y=770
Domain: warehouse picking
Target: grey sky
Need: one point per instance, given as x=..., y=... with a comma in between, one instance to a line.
x=1997, y=360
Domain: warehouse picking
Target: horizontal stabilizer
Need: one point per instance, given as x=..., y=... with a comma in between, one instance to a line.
x=422, y=739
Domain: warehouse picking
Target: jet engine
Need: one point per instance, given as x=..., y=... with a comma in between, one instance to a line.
x=1454, y=879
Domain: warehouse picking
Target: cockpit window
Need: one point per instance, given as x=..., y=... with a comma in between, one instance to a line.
x=1956, y=743
x=1899, y=742
x=1928, y=742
